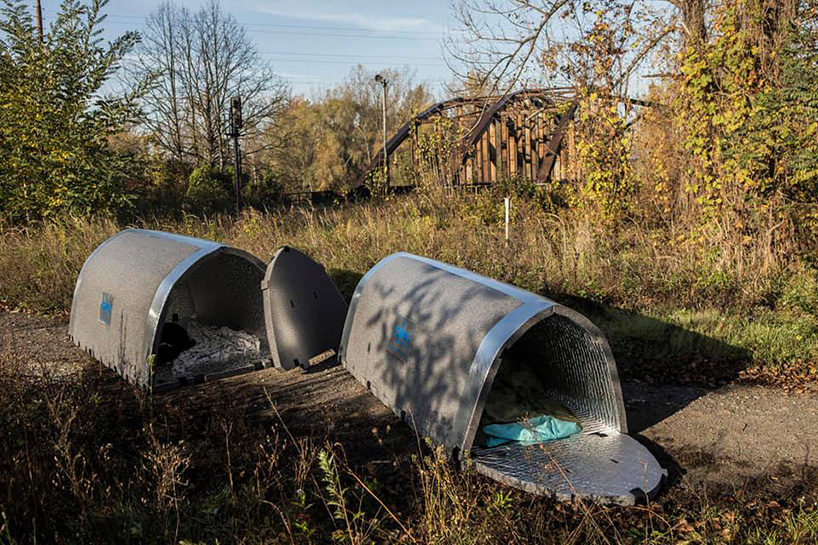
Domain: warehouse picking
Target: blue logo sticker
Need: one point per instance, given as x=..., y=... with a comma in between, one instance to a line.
x=401, y=340
x=105, y=308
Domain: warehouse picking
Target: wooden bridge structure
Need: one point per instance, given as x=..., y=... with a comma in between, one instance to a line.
x=478, y=141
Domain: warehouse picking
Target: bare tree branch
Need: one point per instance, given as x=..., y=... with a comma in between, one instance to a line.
x=195, y=62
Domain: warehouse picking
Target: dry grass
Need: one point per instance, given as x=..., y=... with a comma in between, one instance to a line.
x=753, y=294
x=88, y=460
x=629, y=265
x=40, y=265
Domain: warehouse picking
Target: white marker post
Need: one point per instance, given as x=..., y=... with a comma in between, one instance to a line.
x=508, y=207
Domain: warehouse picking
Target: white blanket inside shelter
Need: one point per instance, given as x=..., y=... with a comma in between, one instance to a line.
x=217, y=349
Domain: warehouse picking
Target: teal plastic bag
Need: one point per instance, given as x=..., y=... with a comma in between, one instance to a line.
x=539, y=429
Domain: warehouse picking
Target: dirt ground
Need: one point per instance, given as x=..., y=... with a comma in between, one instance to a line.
x=728, y=436
x=724, y=437
x=41, y=342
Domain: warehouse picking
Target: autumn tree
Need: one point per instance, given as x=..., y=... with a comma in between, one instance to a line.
x=742, y=102
x=598, y=44
x=597, y=47
x=327, y=143
x=55, y=116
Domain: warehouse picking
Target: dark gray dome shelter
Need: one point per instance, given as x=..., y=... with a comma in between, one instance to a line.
x=138, y=281
x=428, y=339
x=303, y=310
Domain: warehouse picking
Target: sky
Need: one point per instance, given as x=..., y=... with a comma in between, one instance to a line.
x=313, y=44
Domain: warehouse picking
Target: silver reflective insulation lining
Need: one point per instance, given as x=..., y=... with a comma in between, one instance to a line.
x=600, y=463
x=606, y=469
x=572, y=369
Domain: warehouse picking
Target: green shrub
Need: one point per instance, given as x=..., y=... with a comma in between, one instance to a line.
x=801, y=292
x=207, y=191
x=55, y=124
x=262, y=193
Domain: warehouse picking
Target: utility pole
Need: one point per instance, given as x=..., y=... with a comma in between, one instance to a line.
x=382, y=80
x=40, y=21
x=236, y=124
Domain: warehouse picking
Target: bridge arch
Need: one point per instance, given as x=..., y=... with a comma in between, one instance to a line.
x=479, y=140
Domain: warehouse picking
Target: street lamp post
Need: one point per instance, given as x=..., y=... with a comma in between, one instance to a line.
x=383, y=81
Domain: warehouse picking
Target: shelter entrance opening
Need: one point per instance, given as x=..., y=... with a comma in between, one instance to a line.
x=553, y=403
x=212, y=325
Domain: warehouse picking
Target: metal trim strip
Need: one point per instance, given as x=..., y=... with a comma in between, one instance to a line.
x=206, y=248
x=508, y=330
x=486, y=363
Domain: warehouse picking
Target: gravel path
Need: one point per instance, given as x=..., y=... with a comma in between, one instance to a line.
x=731, y=435
x=40, y=345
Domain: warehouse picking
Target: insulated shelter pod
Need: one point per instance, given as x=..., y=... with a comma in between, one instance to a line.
x=141, y=293
x=432, y=341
